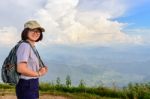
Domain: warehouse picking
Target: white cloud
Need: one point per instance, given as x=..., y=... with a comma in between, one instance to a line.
x=67, y=24
x=107, y=8
x=13, y=15
x=141, y=33
x=8, y=35
x=15, y=12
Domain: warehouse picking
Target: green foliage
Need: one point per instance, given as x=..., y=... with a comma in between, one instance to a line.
x=82, y=84
x=100, y=91
x=68, y=81
x=58, y=81
x=6, y=86
x=137, y=91
x=132, y=91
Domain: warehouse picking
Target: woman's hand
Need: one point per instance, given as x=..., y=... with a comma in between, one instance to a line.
x=46, y=69
x=43, y=71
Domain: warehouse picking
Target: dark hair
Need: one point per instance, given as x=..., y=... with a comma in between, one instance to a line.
x=24, y=35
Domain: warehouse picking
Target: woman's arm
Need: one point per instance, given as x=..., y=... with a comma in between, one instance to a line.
x=22, y=68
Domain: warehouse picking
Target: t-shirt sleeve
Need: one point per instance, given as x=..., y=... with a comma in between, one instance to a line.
x=23, y=53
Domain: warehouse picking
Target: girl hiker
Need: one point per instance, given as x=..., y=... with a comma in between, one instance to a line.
x=28, y=62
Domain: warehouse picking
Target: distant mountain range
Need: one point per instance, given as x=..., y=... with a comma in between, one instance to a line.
x=95, y=65
x=98, y=65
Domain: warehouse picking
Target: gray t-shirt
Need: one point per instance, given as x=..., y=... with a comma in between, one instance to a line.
x=26, y=54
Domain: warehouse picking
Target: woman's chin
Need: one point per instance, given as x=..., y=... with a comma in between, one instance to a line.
x=35, y=39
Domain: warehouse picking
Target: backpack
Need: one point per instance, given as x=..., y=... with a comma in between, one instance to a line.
x=9, y=72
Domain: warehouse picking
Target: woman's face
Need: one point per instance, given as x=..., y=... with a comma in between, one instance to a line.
x=34, y=34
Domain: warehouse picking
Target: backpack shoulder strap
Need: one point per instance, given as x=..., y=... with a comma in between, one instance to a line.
x=37, y=54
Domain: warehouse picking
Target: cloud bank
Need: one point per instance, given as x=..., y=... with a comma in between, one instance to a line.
x=82, y=22
x=67, y=22
x=7, y=35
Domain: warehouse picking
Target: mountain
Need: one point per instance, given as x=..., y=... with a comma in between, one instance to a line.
x=97, y=65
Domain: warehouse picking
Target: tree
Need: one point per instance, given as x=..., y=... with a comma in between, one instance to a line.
x=68, y=81
x=58, y=81
x=82, y=84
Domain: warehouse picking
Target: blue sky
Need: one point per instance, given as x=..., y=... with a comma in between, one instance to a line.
x=103, y=41
x=138, y=16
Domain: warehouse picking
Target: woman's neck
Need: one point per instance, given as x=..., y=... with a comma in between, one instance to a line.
x=31, y=42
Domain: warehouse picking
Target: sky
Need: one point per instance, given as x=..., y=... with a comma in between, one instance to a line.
x=104, y=41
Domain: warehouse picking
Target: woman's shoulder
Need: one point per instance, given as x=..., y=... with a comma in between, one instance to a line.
x=23, y=48
x=24, y=45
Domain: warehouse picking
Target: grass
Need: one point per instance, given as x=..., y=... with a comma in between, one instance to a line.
x=132, y=91
x=76, y=92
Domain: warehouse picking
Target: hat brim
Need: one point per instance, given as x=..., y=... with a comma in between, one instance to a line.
x=42, y=29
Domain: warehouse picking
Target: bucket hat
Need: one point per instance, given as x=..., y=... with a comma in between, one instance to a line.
x=32, y=24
